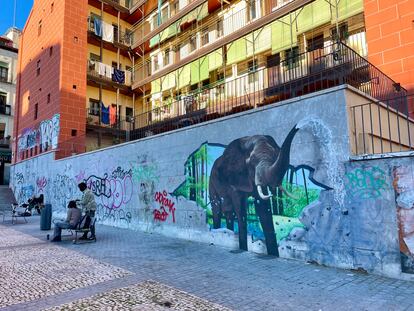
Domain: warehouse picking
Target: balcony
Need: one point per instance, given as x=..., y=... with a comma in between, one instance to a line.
x=121, y=39
x=233, y=25
x=104, y=118
x=108, y=76
x=302, y=74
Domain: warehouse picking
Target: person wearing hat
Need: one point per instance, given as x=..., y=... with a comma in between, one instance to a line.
x=88, y=208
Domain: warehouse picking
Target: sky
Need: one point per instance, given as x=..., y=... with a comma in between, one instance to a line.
x=6, y=13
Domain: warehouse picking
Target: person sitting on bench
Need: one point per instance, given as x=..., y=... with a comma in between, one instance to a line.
x=88, y=208
x=72, y=220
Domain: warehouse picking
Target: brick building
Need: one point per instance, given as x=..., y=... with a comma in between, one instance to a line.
x=96, y=73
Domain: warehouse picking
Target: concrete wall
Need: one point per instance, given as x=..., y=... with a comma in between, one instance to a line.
x=170, y=184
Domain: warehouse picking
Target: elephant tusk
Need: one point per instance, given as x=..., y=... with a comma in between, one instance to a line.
x=288, y=193
x=262, y=195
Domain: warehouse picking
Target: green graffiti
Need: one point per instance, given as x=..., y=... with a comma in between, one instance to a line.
x=366, y=183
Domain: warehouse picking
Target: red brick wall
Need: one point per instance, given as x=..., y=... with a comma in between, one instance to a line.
x=390, y=37
x=59, y=70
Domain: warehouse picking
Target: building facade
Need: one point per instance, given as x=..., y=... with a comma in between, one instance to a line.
x=93, y=74
x=8, y=72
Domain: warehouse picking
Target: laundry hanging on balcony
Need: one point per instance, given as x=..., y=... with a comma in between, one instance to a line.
x=101, y=68
x=118, y=76
x=112, y=114
x=97, y=25
x=107, y=32
x=104, y=114
x=109, y=71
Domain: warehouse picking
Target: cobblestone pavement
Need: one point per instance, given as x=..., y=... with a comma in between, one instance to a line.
x=232, y=279
x=31, y=269
x=148, y=295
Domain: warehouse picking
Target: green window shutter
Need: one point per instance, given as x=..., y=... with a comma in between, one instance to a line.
x=262, y=39
x=154, y=40
x=215, y=59
x=313, y=15
x=172, y=30
x=204, y=72
x=348, y=8
x=202, y=11
x=4, y=65
x=155, y=86
x=195, y=71
x=184, y=76
x=281, y=36
x=168, y=81
x=236, y=51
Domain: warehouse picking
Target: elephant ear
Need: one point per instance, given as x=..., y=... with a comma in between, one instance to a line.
x=233, y=168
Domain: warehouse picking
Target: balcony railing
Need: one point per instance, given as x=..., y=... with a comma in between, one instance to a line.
x=101, y=71
x=120, y=37
x=5, y=109
x=305, y=73
x=383, y=126
x=103, y=118
x=143, y=30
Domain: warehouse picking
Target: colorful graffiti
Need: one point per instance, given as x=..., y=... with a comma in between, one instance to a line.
x=403, y=184
x=366, y=183
x=46, y=135
x=250, y=188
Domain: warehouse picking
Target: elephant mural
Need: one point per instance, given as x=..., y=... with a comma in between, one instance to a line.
x=249, y=166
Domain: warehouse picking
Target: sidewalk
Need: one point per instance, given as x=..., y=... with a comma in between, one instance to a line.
x=161, y=273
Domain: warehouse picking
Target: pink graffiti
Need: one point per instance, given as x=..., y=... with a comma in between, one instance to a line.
x=80, y=177
x=41, y=183
x=119, y=192
x=164, y=201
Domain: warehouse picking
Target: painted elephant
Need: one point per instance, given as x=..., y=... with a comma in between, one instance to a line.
x=249, y=166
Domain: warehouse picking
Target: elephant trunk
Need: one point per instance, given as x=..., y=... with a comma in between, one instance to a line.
x=278, y=169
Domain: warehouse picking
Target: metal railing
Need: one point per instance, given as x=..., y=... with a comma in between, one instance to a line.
x=120, y=37
x=383, y=126
x=110, y=78
x=305, y=73
x=6, y=80
x=98, y=117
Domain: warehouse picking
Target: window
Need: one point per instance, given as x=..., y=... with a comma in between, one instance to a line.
x=252, y=14
x=52, y=6
x=3, y=98
x=175, y=7
x=129, y=113
x=219, y=28
x=93, y=107
x=39, y=28
x=4, y=73
x=204, y=36
x=38, y=68
x=36, y=108
x=48, y=98
x=292, y=57
x=193, y=43
x=343, y=32
x=154, y=21
x=166, y=57
x=155, y=63
x=94, y=57
x=51, y=51
x=252, y=69
x=164, y=14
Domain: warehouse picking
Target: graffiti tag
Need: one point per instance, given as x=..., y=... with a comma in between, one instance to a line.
x=41, y=183
x=366, y=183
x=162, y=199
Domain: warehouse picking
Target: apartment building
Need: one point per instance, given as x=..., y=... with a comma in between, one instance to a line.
x=121, y=66
x=8, y=71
